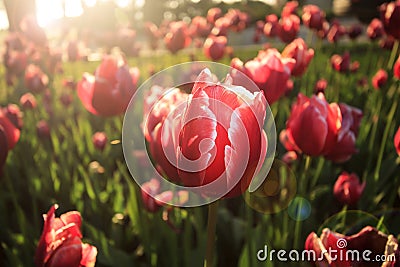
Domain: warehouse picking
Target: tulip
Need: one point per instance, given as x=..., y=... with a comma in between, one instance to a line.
x=60, y=243
x=269, y=71
x=43, y=129
x=348, y=188
x=313, y=17
x=396, y=69
x=199, y=27
x=328, y=241
x=177, y=37
x=152, y=188
x=35, y=80
x=387, y=42
x=109, y=91
x=213, y=14
x=375, y=29
x=220, y=123
x=15, y=62
x=214, y=47
x=28, y=101
x=221, y=26
x=11, y=129
x=272, y=28
x=66, y=99
x=299, y=52
x=320, y=86
x=397, y=141
x=335, y=32
x=379, y=79
x=289, y=157
x=99, y=140
x=289, y=8
x=390, y=16
x=158, y=105
x=316, y=128
x=343, y=63
x=14, y=114
x=354, y=31
x=368, y=239
x=290, y=26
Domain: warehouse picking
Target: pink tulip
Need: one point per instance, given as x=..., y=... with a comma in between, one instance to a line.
x=214, y=47
x=397, y=141
x=177, y=37
x=379, y=80
x=313, y=17
x=28, y=101
x=299, y=52
x=375, y=29
x=272, y=28
x=99, y=140
x=269, y=71
x=290, y=26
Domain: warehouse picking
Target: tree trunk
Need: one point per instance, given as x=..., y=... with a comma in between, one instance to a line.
x=17, y=10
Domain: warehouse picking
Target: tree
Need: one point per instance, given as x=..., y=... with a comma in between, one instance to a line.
x=17, y=10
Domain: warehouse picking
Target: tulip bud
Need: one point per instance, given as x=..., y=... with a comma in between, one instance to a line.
x=43, y=129
x=396, y=69
x=320, y=86
x=379, y=79
x=28, y=101
x=397, y=141
x=348, y=188
x=99, y=140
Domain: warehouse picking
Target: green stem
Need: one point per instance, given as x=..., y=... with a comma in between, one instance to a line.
x=385, y=137
x=211, y=226
x=393, y=54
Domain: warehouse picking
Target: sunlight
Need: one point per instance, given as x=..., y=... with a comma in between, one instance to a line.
x=123, y=3
x=73, y=8
x=47, y=11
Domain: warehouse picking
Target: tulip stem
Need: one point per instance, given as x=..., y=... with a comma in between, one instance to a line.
x=211, y=226
x=393, y=55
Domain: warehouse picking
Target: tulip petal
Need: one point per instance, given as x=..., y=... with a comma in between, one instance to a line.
x=89, y=254
x=68, y=254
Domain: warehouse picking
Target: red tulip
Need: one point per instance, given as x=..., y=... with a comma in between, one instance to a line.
x=397, y=141
x=375, y=29
x=327, y=242
x=379, y=79
x=177, y=37
x=152, y=188
x=14, y=114
x=289, y=8
x=390, y=16
x=320, y=86
x=290, y=26
x=221, y=26
x=298, y=51
x=313, y=17
x=158, y=105
x=35, y=80
x=108, y=92
x=343, y=63
x=99, y=140
x=60, y=243
x=272, y=28
x=348, y=188
x=387, y=42
x=289, y=157
x=221, y=123
x=10, y=128
x=396, y=69
x=213, y=14
x=345, y=145
x=318, y=128
x=335, y=32
x=368, y=239
x=28, y=101
x=354, y=31
x=269, y=70
x=199, y=27
x=214, y=47
x=43, y=129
